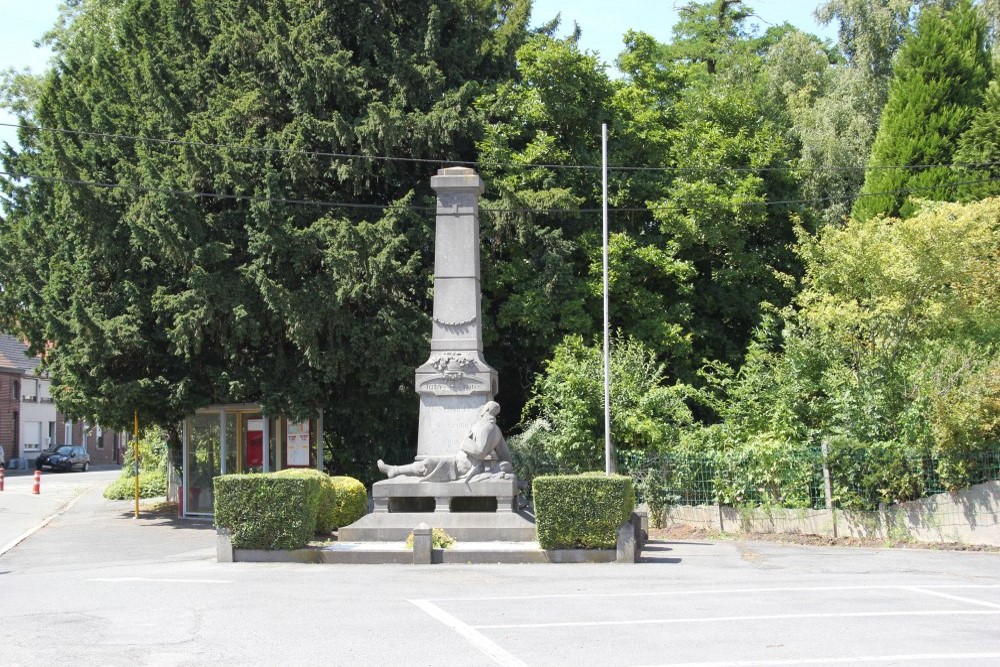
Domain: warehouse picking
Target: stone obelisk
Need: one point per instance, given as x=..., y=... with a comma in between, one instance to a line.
x=456, y=381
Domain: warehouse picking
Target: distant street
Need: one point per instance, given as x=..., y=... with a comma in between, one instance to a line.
x=97, y=587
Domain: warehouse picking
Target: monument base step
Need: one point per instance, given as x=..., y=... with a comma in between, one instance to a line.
x=463, y=526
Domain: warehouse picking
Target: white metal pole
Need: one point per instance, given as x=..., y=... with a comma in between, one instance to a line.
x=609, y=453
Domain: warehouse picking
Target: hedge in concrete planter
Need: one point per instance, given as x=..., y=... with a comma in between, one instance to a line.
x=267, y=511
x=581, y=511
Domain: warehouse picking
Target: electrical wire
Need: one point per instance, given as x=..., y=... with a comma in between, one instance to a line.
x=488, y=164
x=671, y=206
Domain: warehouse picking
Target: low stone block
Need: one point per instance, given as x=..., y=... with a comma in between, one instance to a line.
x=505, y=492
x=423, y=549
x=626, y=550
x=223, y=546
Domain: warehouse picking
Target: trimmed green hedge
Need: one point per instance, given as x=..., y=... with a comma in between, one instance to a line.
x=267, y=511
x=581, y=511
x=327, y=496
x=342, y=501
x=350, y=501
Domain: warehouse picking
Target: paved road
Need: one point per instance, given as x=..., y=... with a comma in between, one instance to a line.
x=96, y=587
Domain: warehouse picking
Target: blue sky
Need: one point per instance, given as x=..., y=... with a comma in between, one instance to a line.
x=603, y=23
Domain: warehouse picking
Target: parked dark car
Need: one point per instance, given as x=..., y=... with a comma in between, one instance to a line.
x=64, y=457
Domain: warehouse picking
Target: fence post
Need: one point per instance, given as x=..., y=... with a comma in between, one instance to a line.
x=828, y=485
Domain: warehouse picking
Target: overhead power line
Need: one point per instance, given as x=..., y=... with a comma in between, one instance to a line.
x=487, y=163
x=670, y=205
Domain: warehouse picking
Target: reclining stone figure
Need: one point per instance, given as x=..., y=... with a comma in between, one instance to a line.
x=483, y=455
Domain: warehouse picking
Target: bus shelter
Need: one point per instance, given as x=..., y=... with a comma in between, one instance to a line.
x=240, y=438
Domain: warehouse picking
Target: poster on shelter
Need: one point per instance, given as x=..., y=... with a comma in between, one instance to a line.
x=255, y=443
x=297, y=443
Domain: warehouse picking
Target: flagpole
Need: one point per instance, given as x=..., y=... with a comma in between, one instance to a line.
x=609, y=453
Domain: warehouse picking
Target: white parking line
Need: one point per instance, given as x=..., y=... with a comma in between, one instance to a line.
x=929, y=658
x=477, y=639
x=957, y=598
x=717, y=591
x=118, y=580
x=741, y=619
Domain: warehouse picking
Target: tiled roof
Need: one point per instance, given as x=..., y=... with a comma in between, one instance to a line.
x=13, y=355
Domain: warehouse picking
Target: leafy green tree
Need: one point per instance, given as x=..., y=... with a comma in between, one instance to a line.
x=829, y=111
x=729, y=149
x=549, y=113
x=939, y=79
x=705, y=32
x=869, y=34
x=567, y=407
x=892, y=343
x=146, y=296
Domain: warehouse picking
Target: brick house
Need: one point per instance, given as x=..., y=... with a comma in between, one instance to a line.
x=29, y=421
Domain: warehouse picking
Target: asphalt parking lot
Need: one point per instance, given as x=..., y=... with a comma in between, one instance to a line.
x=97, y=587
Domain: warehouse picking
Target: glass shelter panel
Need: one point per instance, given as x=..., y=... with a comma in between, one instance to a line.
x=202, y=462
x=232, y=443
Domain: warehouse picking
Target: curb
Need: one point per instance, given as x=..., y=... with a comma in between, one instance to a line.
x=31, y=531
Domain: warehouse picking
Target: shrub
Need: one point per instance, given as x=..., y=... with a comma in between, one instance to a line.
x=581, y=511
x=267, y=511
x=654, y=487
x=867, y=474
x=153, y=457
x=327, y=496
x=153, y=453
x=151, y=485
x=439, y=540
x=768, y=472
x=350, y=501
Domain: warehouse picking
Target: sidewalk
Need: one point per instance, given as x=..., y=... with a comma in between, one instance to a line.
x=99, y=531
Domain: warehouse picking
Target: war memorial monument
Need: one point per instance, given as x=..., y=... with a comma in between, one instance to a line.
x=461, y=478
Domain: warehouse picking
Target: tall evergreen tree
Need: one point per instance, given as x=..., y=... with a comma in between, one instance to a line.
x=939, y=79
x=197, y=274
x=980, y=145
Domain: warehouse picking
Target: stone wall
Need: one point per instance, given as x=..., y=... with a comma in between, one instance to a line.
x=971, y=516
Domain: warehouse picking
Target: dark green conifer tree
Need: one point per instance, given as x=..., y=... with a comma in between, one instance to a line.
x=979, y=148
x=171, y=241
x=939, y=78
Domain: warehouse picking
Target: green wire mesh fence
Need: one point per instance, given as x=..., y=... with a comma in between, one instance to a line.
x=861, y=476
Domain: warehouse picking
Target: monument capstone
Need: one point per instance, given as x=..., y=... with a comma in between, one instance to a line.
x=462, y=471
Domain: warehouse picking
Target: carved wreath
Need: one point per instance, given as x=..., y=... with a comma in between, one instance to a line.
x=453, y=365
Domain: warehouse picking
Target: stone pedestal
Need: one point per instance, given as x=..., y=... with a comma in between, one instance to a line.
x=501, y=494
x=463, y=526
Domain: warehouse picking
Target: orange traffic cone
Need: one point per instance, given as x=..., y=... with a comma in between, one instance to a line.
x=37, y=488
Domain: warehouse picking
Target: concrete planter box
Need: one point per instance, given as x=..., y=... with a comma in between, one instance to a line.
x=631, y=538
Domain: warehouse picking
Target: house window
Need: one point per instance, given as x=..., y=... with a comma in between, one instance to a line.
x=15, y=392
x=68, y=433
x=32, y=436
x=100, y=438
